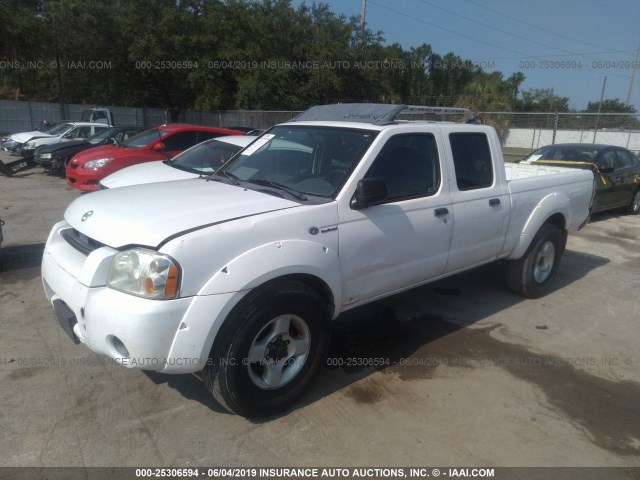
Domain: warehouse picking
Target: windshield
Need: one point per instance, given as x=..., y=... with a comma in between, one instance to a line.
x=307, y=159
x=205, y=157
x=47, y=127
x=143, y=139
x=60, y=129
x=99, y=137
x=568, y=154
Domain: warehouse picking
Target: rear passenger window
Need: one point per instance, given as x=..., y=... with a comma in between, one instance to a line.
x=625, y=159
x=409, y=166
x=472, y=160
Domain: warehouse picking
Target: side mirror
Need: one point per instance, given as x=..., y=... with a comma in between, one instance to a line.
x=158, y=147
x=68, y=135
x=369, y=192
x=606, y=169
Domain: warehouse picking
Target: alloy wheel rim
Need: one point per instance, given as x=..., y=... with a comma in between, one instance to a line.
x=544, y=261
x=278, y=352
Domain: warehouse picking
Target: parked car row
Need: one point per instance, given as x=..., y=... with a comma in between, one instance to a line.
x=88, y=161
x=87, y=168
x=56, y=156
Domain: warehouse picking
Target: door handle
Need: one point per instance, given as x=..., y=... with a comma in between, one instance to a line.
x=438, y=212
x=494, y=201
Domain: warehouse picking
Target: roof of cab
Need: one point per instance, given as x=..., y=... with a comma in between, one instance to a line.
x=373, y=113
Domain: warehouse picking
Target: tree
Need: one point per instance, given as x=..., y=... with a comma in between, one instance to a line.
x=610, y=106
x=542, y=100
x=489, y=93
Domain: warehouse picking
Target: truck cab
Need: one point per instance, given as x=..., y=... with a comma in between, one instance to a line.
x=98, y=115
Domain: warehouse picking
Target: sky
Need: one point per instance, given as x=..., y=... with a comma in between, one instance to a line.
x=567, y=45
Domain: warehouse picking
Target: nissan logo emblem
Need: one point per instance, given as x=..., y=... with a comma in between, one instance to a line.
x=87, y=215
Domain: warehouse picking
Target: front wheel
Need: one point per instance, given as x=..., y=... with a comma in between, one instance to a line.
x=268, y=349
x=532, y=275
x=634, y=206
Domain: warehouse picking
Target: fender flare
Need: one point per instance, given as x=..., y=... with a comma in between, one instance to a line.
x=269, y=262
x=553, y=204
x=278, y=259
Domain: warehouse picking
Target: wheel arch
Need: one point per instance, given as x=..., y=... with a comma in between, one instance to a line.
x=553, y=209
x=316, y=284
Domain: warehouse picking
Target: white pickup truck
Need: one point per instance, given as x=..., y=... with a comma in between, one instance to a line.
x=240, y=274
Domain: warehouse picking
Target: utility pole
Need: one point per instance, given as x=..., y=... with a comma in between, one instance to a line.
x=633, y=75
x=363, y=14
x=595, y=130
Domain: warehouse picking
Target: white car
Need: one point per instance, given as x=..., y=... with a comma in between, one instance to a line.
x=28, y=142
x=240, y=274
x=201, y=159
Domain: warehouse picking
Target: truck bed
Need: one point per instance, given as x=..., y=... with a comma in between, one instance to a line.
x=522, y=170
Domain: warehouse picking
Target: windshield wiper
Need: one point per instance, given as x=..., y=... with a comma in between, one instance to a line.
x=279, y=186
x=177, y=166
x=231, y=176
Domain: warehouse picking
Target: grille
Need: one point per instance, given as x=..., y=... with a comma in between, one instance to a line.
x=80, y=242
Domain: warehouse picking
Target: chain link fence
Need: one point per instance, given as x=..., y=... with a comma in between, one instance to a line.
x=521, y=132
x=18, y=116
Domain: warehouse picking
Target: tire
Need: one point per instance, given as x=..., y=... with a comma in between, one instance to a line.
x=634, y=206
x=532, y=275
x=267, y=350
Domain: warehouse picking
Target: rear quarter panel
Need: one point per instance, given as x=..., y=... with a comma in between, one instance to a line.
x=537, y=193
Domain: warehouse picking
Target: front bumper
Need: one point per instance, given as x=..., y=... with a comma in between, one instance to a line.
x=172, y=336
x=85, y=179
x=45, y=162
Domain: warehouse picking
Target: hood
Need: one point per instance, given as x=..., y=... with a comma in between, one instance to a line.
x=149, y=172
x=60, y=146
x=148, y=214
x=109, y=151
x=26, y=136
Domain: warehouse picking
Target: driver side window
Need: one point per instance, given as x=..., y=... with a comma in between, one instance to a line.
x=608, y=160
x=409, y=166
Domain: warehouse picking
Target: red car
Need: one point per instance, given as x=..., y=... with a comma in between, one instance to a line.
x=86, y=169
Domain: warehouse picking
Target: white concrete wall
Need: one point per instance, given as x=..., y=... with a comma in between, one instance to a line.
x=535, y=137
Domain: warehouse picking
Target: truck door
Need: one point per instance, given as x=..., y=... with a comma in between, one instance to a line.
x=480, y=202
x=406, y=239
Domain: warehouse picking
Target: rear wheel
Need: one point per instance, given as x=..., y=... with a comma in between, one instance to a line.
x=532, y=275
x=268, y=349
x=634, y=206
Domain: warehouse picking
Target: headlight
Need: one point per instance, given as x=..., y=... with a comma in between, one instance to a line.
x=144, y=273
x=101, y=162
x=45, y=156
